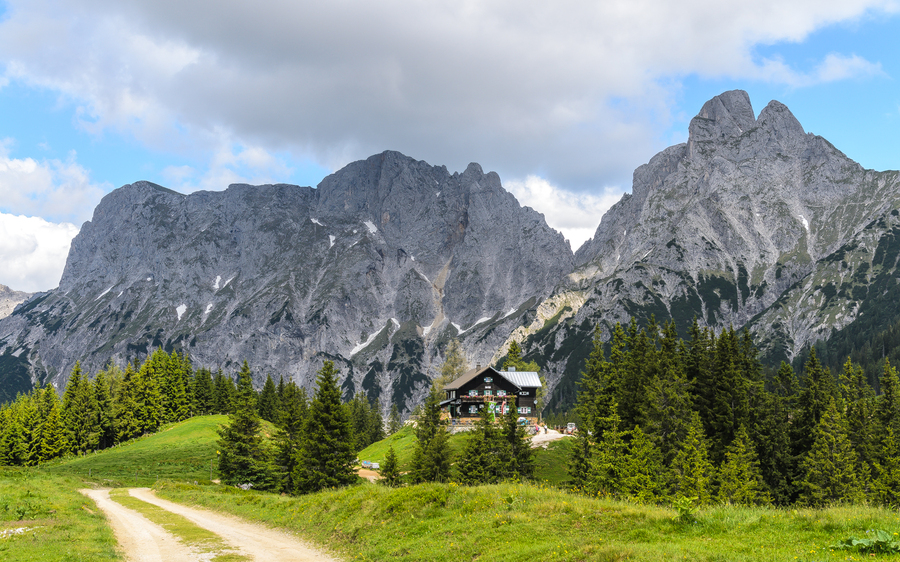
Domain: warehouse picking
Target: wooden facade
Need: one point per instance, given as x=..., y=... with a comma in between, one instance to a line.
x=467, y=395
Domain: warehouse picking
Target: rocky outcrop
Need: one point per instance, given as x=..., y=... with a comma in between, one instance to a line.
x=10, y=299
x=736, y=227
x=375, y=269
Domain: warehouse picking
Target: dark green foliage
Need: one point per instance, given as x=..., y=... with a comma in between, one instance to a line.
x=518, y=456
x=394, y=421
x=103, y=399
x=641, y=471
x=325, y=456
x=691, y=473
x=390, y=469
x=268, y=401
x=79, y=413
x=223, y=394
x=294, y=408
x=431, y=457
x=481, y=461
x=243, y=455
x=740, y=480
x=830, y=466
x=203, y=402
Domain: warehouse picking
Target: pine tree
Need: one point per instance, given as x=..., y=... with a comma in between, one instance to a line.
x=480, y=461
x=454, y=366
x=375, y=424
x=325, y=456
x=607, y=463
x=395, y=424
x=580, y=461
x=359, y=419
x=79, y=413
x=243, y=455
x=889, y=401
x=53, y=433
x=223, y=394
x=128, y=424
x=106, y=431
x=431, y=457
x=669, y=408
x=886, y=486
x=290, y=430
x=598, y=388
x=202, y=392
x=740, y=480
x=818, y=390
x=390, y=469
x=518, y=462
x=640, y=474
x=830, y=466
x=691, y=472
x=268, y=401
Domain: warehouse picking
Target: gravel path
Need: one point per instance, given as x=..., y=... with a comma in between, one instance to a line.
x=256, y=541
x=144, y=541
x=141, y=539
x=542, y=439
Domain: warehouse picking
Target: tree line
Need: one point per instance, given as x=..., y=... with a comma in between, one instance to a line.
x=120, y=404
x=665, y=418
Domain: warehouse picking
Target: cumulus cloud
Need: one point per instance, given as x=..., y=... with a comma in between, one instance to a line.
x=570, y=92
x=576, y=215
x=55, y=189
x=33, y=252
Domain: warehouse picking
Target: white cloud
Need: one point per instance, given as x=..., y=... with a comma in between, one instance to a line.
x=55, y=189
x=576, y=215
x=33, y=252
x=572, y=92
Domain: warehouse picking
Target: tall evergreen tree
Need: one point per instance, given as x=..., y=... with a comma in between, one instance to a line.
x=608, y=462
x=886, y=485
x=243, y=455
x=202, y=392
x=740, y=480
x=395, y=424
x=289, y=434
x=105, y=414
x=641, y=470
x=481, y=461
x=268, y=401
x=518, y=461
x=53, y=433
x=325, y=456
x=79, y=413
x=691, y=472
x=223, y=393
x=818, y=390
x=830, y=466
x=431, y=456
x=390, y=469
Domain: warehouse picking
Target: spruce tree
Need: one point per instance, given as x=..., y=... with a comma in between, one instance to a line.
x=223, y=393
x=243, y=455
x=518, y=461
x=431, y=456
x=889, y=401
x=818, y=390
x=580, y=461
x=395, y=424
x=268, y=401
x=740, y=480
x=390, y=469
x=325, y=456
x=481, y=460
x=79, y=413
x=288, y=437
x=128, y=424
x=830, y=466
x=691, y=474
x=105, y=415
x=202, y=392
x=886, y=486
x=375, y=424
x=53, y=433
x=607, y=463
x=641, y=471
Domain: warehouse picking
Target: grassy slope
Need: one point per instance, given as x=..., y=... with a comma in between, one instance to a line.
x=181, y=451
x=62, y=523
x=550, y=463
x=512, y=522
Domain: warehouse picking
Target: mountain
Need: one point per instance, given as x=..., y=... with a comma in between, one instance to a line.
x=751, y=223
x=9, y=299
x=375, y=269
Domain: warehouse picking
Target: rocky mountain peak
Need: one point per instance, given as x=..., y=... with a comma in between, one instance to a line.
x=725, y=116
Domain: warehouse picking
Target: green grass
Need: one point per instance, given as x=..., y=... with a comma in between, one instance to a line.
x=62, y=524
x=183, y=451
x=551, y=465
x=188, y=533
x=512, y=522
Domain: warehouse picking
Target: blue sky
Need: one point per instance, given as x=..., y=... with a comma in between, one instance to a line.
x=563, y=102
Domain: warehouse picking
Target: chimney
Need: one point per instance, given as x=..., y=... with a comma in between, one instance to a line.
x=478, y=367
x=510, y=369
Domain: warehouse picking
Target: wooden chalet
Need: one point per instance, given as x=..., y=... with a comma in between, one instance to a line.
x=468, y=394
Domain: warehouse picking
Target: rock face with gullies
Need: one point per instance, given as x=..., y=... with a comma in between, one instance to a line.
x=752, y=223
x=10, y=299
x=375, y=269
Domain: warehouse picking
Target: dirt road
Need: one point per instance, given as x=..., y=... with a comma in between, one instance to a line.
x=252, y=540
x=542, y=439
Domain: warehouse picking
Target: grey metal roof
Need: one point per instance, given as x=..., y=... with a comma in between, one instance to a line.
x=522, y=379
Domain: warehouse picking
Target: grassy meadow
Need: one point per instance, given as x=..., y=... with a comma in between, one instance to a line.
x=433, y=522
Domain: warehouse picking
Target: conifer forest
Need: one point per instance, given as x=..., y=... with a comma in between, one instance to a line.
x=662, y=420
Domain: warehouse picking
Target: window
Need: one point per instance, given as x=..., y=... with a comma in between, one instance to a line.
x=473, y=409
x=501, y=393
x=452, y=394
x=473, y=393
x=525, y=410
x=488, y=392
x=488, y=379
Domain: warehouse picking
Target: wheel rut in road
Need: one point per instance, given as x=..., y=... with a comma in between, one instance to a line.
x=139, y=539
